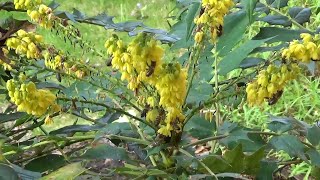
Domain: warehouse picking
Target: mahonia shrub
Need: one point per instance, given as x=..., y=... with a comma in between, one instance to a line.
x=158, y=104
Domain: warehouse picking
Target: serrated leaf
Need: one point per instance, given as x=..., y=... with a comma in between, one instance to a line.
x=199, y=127
x=105, y=151
x=235, y=158
x=67, y=172
x=300, y=14
x=266, y=170
x=49, y=162
x=288, y=143
x=251, y=62
x=212, y=160
x=252, y=162
x=313, y=135
x=277, y=20
x=235, y=26
x=233, y=59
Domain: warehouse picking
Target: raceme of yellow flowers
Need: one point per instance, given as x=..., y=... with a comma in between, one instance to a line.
x=25, y=43
x=269, y=82
x=304, y=51
x=212, y=18
x=141, y=62
x=37, y=11
x=31, y=100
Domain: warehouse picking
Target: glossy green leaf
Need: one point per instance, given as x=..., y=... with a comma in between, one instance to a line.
x=199, y=127
x=251, y=62
x=70, y=171
x=313, y=135
x=235, y=26
x=191, y=14
x=49, y=162
x=11, y=117
x=233, y=59
x=266, y=170
x=314, y=156
x=277, y=20
x=280, y=34
x=277, y=3
x=300, y=14
x=288, y=143
x=105, y=151
x=249, y=6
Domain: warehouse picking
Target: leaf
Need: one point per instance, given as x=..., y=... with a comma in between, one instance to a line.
x=11, y=117
x=48, y=85
x=277, y=3
x=192, y=12
x=288, y=143
x=277, y=20
x=266, y=170
x=74, y=129
x=116, y=129
x=313, y=135
x=8, y=173
x=252, y=162
x=235, y=158
x=105, y=151
x=269, y=48
x=212, y=161
x=251, y=62
x=25, y=174
x=49, y=162
x=249, y=6
x=280, y=34
x=300, y=14
x=54, y=5
x=70, y=171
x=234, y=58
x=198, y=127
x=235, y=26
x=314, y=156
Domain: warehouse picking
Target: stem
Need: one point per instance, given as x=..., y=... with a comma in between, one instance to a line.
x=200, y=162
x=108, y=107
x=201, y=141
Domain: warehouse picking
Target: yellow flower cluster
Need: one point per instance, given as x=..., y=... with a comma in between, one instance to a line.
x=137, y=62
x=306, y=50
x=25, y=43
x=26, y=4
x=141, y=61
x=269, y=82
x=212, y=18
x=29, y=99
x=37, y=11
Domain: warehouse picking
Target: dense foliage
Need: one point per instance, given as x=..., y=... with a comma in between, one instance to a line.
x=158, y=106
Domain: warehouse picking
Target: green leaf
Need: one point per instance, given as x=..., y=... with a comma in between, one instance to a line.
x=74, y=129
x=25, y=174
x=277, y=20
x=266, y=170
x=251, y=62
x=249, y=6
x=191, y=14
x=313, y=135
x=8, y=173
x=198, y=127
x=49, y=162
x=234, y=58
x=116, y=129
x=252, y=162
x=288, y=143
x=105, y=151
x=216, y=164
x=314, y=156
x=70, y=171
x=235, y=158
x=11, y=117
x=300, y=14
x=277, y=3
x=235, y=26
x=280, y=34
